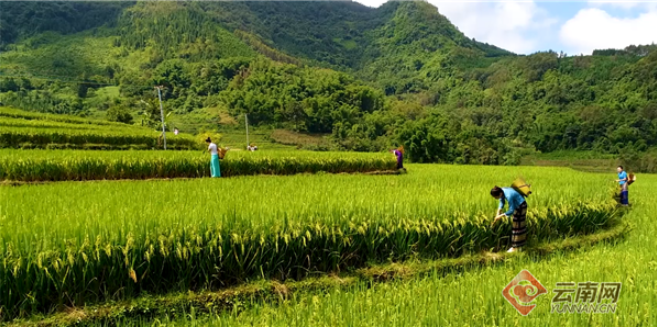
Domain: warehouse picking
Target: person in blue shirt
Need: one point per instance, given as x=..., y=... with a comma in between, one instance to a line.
x=622, y=181
x=517, y=207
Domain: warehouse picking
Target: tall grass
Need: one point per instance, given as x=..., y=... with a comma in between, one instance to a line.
x=73, y=243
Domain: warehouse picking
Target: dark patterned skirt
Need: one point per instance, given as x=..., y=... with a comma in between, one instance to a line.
x=519, y=234
x=624, y=198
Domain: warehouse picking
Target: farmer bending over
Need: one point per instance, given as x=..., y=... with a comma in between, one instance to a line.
x=517, y=207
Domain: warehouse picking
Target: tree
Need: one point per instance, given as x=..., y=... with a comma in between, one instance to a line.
x=82, y=90
x=119, y=114
x=150, y=112
x=7, y=85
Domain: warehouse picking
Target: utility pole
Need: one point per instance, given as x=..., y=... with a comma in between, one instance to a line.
x=246, y=123
x=159, y=96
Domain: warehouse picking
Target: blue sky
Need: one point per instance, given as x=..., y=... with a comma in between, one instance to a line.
x=575, y=27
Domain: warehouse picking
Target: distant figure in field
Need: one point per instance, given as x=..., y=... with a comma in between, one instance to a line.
x=175, y=131
x=623, y=182
x=251, y=147
x=517, y=207
x=399, y=153
x=214, y=158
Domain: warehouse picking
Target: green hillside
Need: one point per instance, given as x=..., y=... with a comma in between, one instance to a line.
x=368, y=78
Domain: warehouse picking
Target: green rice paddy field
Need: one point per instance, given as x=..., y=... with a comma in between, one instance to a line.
x=64, y=165
x=72, y=245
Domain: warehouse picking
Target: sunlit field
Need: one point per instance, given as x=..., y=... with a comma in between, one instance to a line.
x=473, y=297
x=72, y=242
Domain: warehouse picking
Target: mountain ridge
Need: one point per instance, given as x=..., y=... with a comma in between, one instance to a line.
x=371, y=78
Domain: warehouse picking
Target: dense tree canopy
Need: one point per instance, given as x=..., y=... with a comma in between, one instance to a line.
x=371, y=78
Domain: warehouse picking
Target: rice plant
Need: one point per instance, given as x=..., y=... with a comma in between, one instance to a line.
x=473, y=297
x=71, y=244
x=37, y=166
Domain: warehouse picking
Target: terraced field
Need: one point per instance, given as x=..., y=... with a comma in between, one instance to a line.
x=306, y=250
x=28, y=130
x=27, y=141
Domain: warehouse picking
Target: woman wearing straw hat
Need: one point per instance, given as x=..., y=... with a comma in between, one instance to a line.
x=517, y=207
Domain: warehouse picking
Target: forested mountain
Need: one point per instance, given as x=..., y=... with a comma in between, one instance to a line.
x=371, y=78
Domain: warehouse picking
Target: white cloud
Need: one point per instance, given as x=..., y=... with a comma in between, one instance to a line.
x=372, y=3
x=622, y=4
x=516, y=26
x=595, y=28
